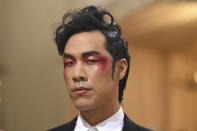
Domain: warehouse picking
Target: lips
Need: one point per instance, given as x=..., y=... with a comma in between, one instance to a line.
x=80, y=90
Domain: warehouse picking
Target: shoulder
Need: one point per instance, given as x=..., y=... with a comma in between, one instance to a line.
x=65, y=127
x=129, y=125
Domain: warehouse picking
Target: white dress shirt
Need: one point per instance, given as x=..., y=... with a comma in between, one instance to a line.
x=114, y=122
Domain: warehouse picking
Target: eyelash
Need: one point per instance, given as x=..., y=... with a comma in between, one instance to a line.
x=88, y=61
x=68, y=63
x=92, y=61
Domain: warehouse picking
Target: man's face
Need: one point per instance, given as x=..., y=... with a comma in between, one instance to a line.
x=88, y=71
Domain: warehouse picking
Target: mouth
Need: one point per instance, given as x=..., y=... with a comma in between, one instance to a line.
x=80, y=90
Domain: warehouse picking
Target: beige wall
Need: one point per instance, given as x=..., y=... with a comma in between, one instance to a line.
x=1, y=56
x=183, y=104
x=34, y=95
x=143, y=95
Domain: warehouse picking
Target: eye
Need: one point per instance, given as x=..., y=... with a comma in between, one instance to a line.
x=92, y=61
x=69, y=63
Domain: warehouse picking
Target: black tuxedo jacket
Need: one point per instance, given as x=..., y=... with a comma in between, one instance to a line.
x=128, y=126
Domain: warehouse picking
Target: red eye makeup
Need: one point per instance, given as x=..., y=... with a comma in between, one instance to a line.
x=100, y=60
x=68, y=62
x=88, y=59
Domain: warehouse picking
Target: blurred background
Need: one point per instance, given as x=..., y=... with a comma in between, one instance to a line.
x=161, y=91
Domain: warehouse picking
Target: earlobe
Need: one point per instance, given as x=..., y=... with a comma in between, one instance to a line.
x=123, y=65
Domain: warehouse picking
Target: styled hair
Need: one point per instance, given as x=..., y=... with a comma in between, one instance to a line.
x=93, y=18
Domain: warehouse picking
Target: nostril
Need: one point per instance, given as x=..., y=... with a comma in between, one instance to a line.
x=82, y=78
x=77, y=79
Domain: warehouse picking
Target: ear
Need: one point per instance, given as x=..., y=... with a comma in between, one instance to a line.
x=122, y=67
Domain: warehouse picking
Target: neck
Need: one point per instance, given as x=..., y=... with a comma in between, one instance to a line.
x=97, y=115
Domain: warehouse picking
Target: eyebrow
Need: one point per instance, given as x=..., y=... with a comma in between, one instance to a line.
x=66, y=55
x=90, y=53
x=85, y=54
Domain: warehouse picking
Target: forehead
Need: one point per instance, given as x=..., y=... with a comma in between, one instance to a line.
x=86, y=41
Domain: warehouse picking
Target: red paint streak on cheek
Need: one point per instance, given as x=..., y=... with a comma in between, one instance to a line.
x=65, y=71
x=104, y=63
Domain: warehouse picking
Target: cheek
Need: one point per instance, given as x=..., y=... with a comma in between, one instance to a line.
x=104, y=66
x=101, y=71
x=66, y=77
x=65, y=72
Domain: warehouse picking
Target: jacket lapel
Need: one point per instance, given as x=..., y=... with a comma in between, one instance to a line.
x=128, y=124
x=71, y=125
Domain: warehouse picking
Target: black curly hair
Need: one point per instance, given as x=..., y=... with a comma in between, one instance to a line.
x=92, y=18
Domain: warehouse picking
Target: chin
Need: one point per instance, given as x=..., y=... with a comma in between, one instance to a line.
x=84, y=107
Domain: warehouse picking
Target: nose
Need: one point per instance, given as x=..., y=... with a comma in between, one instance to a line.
x=79, y=73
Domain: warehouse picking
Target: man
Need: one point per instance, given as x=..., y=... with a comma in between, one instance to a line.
x=96, y=67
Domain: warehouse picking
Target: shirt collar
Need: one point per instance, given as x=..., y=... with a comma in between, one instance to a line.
x=115, y=121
